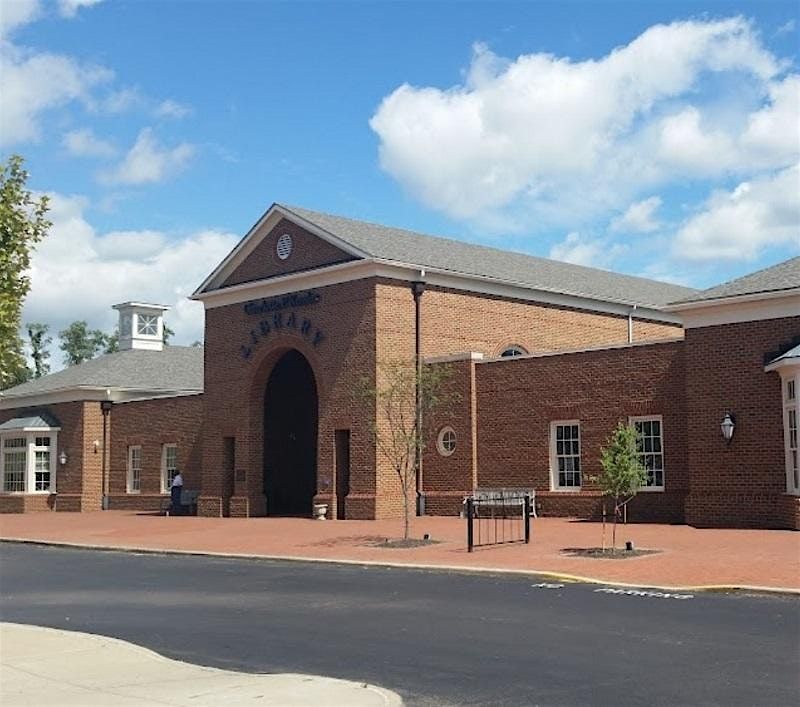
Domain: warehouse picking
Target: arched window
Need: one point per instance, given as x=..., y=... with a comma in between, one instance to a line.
x=446, y=441
x=513, y=350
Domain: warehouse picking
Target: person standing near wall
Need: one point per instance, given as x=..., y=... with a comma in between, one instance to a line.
x=175, y=491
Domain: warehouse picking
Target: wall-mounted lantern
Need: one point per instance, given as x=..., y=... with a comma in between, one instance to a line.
x=727, y=426
x=62, y=458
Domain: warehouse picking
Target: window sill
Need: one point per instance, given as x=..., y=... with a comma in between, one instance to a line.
x=133, y=493
x=566, y=489
x=652, y=489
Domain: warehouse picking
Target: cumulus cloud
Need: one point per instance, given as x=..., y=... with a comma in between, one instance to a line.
x=84, y=143
x=639, y=217
x=581, y=250
x=149, y=162
x=17, y=13
x=171, y=109
x=739, y=224
x=543, y=140
x=33, y=83
x=69, y=8
x=78, y=273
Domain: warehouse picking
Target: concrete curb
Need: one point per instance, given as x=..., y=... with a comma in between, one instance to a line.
x=388, y=697
x=464, y=569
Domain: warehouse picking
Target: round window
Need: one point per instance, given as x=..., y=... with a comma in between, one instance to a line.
x=446, y=443
x=284, y=246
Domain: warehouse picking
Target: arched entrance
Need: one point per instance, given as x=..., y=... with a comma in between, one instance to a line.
x=290, y=437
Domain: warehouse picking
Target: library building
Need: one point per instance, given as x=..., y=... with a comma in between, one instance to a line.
x=544, y=359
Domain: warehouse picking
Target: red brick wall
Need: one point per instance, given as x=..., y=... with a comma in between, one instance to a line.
x=518, y=399
x=152, y=424
x=308, y=252
x=235, y=387
x=743, y=484
x=77, y=481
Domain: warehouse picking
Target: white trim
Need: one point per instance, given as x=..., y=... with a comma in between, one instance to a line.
x=443, y=451
x=788, y=406
x=165, y=487
x=129, y=472
x=734, y=311
x=271, y=217
x=660, y=419
x=404, y=272
x=784, y=365
x=29, y=478
x=554, y=485
x=86, y=394
x=732, y=299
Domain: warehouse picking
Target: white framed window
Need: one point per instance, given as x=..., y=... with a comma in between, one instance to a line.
x=169, y=465
x=147, y=324
x=565, y=455
x=27, y=461
x=446, y=441
x=134, y=483
x=791, y=417
x=284, y=246
x=650, y=444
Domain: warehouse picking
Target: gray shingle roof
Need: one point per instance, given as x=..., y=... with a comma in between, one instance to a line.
x=527, y=271
x=783, y=276
x=790, y=354
x=175, y=369
x=38, y=421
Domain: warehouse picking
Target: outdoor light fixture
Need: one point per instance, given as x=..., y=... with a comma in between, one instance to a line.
x=727, y=426
x=96, y=445
x=62, y=458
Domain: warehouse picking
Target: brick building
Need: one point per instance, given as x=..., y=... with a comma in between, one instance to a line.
x=546, y=358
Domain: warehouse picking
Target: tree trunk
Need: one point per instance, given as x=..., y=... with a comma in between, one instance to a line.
x=614, y=529
x=405, y=513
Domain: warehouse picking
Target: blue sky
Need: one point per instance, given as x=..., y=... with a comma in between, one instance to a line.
x=654, y=138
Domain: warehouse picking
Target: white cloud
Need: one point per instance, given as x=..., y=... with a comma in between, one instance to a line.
x=34, y=83
x=148, y=162
x=639, y=217
x=16, y=13
x=84, y=143
x=69, y=8
x=171, y=109
x=78, y=273
x=543, y=140
x=592, y=252
x=739, y=224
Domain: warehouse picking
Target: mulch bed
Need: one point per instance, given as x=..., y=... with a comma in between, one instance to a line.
x=597, y=553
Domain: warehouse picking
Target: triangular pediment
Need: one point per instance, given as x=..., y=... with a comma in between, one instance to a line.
x=280, y=243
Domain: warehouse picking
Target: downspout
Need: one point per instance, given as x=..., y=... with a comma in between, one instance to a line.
x=630, y=323
x=417, y=288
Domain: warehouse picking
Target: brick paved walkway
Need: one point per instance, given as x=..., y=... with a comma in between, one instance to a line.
x=689, y=557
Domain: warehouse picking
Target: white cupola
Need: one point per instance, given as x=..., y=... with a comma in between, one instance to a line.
x=141, y=326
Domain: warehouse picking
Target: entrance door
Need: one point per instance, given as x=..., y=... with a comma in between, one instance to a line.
x=290, y=437
x=342, y=471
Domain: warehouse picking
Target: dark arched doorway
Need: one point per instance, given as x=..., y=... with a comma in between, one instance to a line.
x=290, y=437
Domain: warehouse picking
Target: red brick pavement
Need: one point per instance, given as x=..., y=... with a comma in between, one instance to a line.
x=689, y=557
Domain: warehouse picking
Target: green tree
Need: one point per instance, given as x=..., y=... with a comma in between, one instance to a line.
x=111, y=344
x=396, y=431
x=22, y=226
x=79, y=343
x=623, y=472
x=39, y=342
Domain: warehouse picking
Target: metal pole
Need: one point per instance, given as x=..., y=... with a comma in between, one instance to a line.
x=527, y=510
x=417, y=288
x=470, y=536
x=105, y=409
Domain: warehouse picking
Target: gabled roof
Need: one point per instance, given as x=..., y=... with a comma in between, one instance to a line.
x=421, y=251
x=781, y=278
x=175, y=369
x=790, y=358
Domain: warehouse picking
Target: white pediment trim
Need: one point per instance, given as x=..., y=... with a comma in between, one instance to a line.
x=405, y=272
x=257, y=233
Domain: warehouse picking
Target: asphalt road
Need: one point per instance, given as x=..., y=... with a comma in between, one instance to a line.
x=436, y=638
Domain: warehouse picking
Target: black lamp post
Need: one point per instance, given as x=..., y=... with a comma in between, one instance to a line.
x=105, y=408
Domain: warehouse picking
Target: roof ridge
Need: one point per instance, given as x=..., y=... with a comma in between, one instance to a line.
x=478, y=246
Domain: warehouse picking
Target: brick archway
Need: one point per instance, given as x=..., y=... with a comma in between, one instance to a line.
x=291, y=421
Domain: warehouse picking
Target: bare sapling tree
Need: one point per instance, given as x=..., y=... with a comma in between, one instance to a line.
x=401, y=433
x=623, y=473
